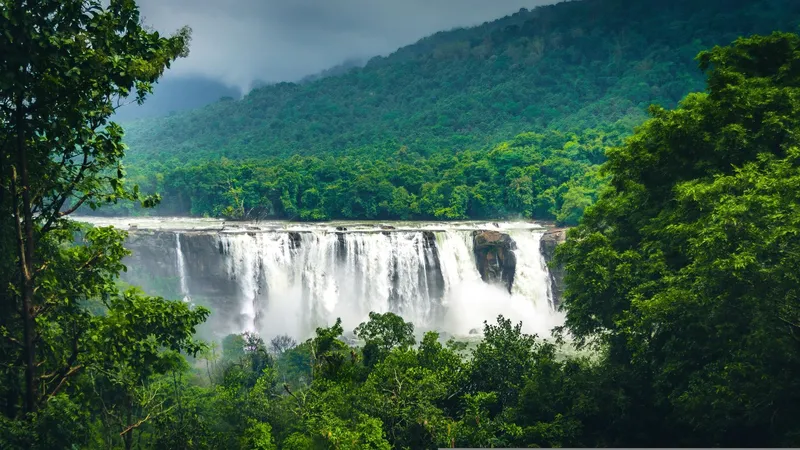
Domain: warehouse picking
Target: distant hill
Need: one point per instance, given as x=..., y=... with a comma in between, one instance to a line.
x=339, y=69
x=570, y=66
x=173, y=95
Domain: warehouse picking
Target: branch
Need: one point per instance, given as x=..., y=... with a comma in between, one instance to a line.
x=14, y=341
x=64, y=378
x=300, y=403
x=134, y=426
x=788, y=322
x=58, y=204
x=74, y=208
x=63, y=374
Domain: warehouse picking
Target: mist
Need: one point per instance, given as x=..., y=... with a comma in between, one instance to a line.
x=237, y=44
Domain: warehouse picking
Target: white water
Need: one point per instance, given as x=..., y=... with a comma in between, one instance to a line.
x=470, y=301
x=293, y=288
x=181, y=269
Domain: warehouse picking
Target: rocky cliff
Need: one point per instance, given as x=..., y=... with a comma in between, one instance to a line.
x=494, y=256
x=552, y=239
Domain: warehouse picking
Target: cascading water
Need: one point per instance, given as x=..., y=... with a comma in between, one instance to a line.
x=290, y=283
x=181, y=269
x=293, y=282
x=470, y=301
x=285, y=278
x=532, y=277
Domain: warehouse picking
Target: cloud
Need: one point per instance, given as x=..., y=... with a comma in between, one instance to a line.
x=238, y=42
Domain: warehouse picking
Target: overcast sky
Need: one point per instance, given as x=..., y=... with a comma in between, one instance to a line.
x=239, y=41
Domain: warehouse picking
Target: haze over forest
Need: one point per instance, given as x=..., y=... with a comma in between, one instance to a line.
x=241, y=44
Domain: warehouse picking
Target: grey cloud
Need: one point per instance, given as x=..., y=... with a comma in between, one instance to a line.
x=239, y=41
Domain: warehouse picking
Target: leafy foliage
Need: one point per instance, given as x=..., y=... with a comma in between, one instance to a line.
x=683, y=267
x=415, y=135
x=547, y=176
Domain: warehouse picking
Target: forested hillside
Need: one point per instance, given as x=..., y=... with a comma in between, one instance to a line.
x=570, y=66
x=681, y=281
x=418, y=134
x=550, y=175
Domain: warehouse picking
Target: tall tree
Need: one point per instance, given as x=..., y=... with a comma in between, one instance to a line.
x=66, y=66
x=686, y=267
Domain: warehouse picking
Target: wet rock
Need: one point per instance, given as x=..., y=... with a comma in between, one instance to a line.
x=474, y=331
x=550, y=241
x=341, y=229
x=494, y=254
x=387, y=227
x=433, y=269
x=294, y=239
x=341, y=246
x=153, y=265
x=428, y=240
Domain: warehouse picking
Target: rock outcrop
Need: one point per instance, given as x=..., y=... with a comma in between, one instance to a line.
x=153, y=266
x=494, y=254
x=552, y=239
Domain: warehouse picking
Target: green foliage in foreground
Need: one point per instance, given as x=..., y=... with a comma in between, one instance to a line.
x=686, y=269
x=545, y=176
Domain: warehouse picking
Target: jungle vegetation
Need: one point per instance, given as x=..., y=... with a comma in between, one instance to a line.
x=442, y=129
x=681, y=282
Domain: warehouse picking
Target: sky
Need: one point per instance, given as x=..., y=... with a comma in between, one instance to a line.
x=237, y=42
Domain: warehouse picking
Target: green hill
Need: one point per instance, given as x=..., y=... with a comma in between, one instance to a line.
x=420, y=133
x=568, y=66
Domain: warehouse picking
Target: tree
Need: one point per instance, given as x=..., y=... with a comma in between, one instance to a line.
x=280, y=344
x=382, y=333
x=67, y=66
x=684, y=269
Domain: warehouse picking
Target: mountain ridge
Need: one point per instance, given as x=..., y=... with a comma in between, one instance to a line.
x=568, y=66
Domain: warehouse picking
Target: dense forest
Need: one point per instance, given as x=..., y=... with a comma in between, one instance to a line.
x=681, y=278
x=416, y=134
x=570, y=67
x=550, y=175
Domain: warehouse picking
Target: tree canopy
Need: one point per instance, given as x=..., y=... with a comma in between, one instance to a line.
x=65, y=325
x=684, y=267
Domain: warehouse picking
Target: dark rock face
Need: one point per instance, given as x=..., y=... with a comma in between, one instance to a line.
x=494, y=253
x=153, y=266
x=294, y=239
x=550, y=241
x=433, y=272
x=157, y=249
x=428, y=240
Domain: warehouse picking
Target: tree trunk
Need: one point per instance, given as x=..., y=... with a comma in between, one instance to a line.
x=26, y=249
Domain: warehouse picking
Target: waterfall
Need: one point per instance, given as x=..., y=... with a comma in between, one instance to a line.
x=470, y=301
x=181, y=269
x=293, y=282
x=532, y=277
x=290, y=278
